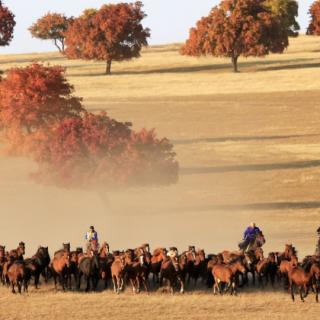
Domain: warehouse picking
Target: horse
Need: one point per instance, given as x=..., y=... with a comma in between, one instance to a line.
x=159, y=255
x=223, y=273
x=136, y=270
x=38, y=264
x=171, y=271
x=89, y=267
x=118, y=272
x=302, y=279
x=17, y=276
x=65, y=248
x=59, y=267
x=3, y=260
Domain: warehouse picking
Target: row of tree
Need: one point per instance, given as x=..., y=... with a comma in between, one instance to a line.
x=115, y=32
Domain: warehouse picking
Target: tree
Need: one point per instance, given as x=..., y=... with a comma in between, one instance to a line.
x=237, y=28
x=95, y=150
x=113, y=33
x=288, y=11
x=51, y=26
x=35, y=97
x=314, y=26
x=7, y=24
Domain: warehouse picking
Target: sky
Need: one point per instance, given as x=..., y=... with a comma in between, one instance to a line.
x=169, y=20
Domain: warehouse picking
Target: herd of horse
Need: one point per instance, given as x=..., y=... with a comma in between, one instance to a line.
x=142, y=269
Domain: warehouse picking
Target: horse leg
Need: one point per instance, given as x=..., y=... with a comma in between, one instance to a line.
x=36, y=280
x=19, y=286
x=181, y=285
x=315, y=287
x=88, y=283
x=79, y=280
x=301, y=295
x=233, y=290
x=292, y=291
x=13, y=290
x=146, y=284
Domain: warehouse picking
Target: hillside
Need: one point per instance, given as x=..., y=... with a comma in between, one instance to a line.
x=248, y=146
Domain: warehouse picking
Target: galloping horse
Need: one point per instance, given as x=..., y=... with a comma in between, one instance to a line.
x=159, y=255
x=118, y=272
x=136, y=270
x=171, y=272
x=223, y=273
x=89, y=267
x=59, y=266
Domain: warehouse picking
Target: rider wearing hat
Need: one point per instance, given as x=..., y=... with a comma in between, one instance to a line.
x=91, y=238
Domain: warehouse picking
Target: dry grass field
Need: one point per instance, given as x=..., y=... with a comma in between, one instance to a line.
x=249, y=149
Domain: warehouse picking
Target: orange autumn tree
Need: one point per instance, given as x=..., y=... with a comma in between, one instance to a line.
x=314, y=12
x=41, y=118
x=237, y=28
x=112, y=33
x=33, y=98
x=51, y=26
x=7, y=24
x=96, y=151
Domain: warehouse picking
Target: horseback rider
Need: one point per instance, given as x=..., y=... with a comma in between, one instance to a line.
x=249, y=237
x=91, y=238
x=318, y=244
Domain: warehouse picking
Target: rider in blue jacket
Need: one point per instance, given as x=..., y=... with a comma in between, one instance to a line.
x=249, y=236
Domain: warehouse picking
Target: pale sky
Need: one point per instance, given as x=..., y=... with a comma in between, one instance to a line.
x=169, y=20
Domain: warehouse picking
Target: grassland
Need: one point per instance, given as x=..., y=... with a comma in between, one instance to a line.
x=248, y=146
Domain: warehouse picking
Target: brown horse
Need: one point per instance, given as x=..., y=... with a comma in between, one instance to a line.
x=65, y=248
x=226, y=274
x=118, y=272
x=17, y=276
x=159, y=255
x=136, y=270
x=303, y=280
x=59, y=267
x=171, y=271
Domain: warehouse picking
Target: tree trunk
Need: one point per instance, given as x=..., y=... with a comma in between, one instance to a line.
x=108, y=68
x=235, y=63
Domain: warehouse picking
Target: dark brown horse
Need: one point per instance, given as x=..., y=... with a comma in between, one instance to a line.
x=172, y=273
x=136, y=270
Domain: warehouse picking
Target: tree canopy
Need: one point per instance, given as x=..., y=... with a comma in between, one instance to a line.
x=112, y=33
x=314, y=12
x=7, y=24
x=288, y=11
x=237, y=28
x=51, y=26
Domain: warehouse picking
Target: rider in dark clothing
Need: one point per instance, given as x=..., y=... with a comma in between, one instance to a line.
x=249, y=236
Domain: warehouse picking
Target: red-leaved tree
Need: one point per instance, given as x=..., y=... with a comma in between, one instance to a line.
x=237, y=28
x=112, y=33
x=96, y=150
x=51, y=26
x=314, y=12
x=7, y=24
x=33, y=98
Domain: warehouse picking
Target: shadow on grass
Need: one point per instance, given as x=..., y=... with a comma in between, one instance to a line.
x=258, y=65
x=252, y=167
x=240, y=138
x=263, y=206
